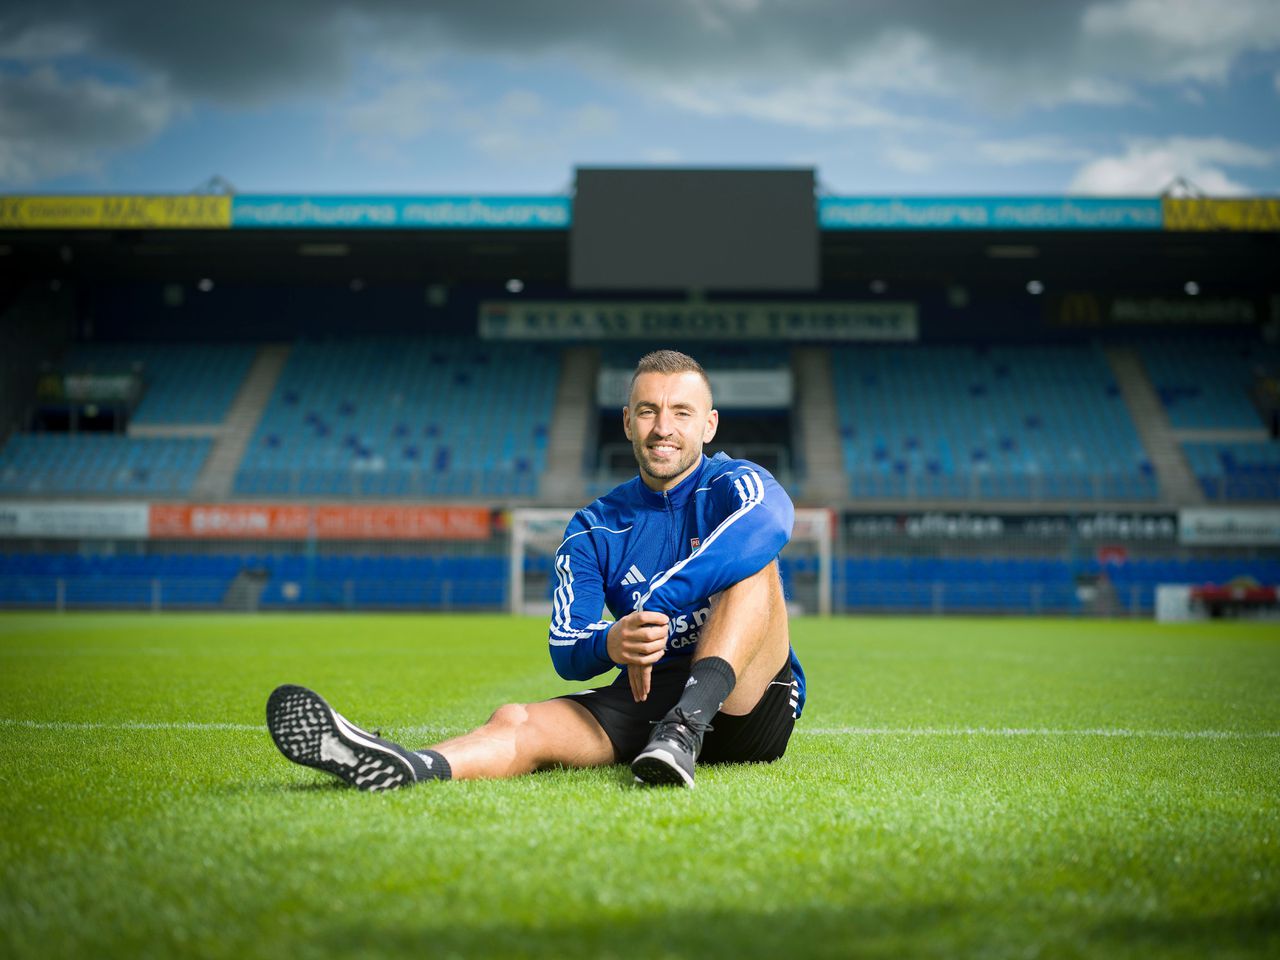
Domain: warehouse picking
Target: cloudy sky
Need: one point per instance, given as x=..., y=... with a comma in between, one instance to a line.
x=919, y=97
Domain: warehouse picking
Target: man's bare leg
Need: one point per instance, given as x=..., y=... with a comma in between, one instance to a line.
x=518, y=738
x=748, y=629
x=523, y=737
x=743, y=645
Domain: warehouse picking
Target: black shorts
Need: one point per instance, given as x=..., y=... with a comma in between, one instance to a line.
x=757, y=737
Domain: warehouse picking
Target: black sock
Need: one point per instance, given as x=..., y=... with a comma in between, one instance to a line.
x=437, y=766
x=710, y=682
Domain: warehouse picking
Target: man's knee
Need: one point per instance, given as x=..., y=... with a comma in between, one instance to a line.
x=510, y=716
x=549, y=732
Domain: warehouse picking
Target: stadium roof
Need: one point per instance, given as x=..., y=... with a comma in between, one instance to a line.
x=1085, y=242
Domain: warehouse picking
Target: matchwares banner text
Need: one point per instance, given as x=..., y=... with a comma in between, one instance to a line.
x=622, y=320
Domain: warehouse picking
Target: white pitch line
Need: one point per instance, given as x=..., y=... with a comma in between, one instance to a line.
x=126, y=725
x=421, y=731
x=1119, y=732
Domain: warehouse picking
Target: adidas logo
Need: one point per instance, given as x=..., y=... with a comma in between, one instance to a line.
x=633, y=577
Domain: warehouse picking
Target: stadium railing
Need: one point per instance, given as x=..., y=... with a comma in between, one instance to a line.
x=176, y=593
x=888, y=584
x=170, y=594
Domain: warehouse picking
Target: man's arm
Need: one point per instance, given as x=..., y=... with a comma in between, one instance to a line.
x=578, y=637
x=756, y=517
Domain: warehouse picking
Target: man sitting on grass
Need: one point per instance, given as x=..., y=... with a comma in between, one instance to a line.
x=685, y=557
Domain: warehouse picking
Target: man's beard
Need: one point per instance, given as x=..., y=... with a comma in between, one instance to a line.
x=684, y=459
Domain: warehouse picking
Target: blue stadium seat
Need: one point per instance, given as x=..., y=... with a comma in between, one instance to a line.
x=100, y=464
x=1204, y=382
x=1236, y=471
x=1000, y=423
x=183, y=383
x=405, y=417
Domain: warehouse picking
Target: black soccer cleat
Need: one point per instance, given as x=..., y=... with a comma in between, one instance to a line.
x=310, y=732
x=668, y=758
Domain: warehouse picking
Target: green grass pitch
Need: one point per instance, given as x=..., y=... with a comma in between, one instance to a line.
x=994, y=788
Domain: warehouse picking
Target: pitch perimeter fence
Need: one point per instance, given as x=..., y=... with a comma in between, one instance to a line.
x=179, y=593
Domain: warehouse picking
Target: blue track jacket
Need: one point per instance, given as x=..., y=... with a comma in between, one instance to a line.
x=635, y=549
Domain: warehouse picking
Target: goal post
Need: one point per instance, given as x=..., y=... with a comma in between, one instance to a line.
x=536, y=533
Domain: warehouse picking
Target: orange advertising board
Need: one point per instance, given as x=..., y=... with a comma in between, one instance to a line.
x=266, y=521
x=402, y=523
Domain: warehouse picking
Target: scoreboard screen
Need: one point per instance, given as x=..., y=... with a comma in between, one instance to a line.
x=665, y=229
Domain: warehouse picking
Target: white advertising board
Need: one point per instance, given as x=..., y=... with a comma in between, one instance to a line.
x=1229, y=526
x=73, y=521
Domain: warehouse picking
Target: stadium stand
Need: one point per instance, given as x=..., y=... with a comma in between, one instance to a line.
x=396, y=417
x=1010, y=423
x=184, y=383
x=1204, y=383
x=100, y=464
x=1236, y=471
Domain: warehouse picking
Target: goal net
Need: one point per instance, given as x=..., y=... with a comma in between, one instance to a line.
x=536, y=533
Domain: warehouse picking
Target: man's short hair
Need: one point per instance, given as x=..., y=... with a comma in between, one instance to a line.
x=668, y=361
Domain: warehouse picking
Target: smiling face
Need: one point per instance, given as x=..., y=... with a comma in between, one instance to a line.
x=667, y=420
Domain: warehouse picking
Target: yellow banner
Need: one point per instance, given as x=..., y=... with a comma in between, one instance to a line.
x=76, y=212
x=1253, y=214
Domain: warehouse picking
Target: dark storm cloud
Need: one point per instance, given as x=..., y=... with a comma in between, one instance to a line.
x=234, y=51
x=241, y=50
x=816, y=63
x=50, y=126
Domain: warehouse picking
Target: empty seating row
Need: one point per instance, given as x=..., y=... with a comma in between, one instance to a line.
x=102, y=464
x=1205, y=383
x=1236, y=471
x=183, y=383
x=405, y=417
x=1015, y=422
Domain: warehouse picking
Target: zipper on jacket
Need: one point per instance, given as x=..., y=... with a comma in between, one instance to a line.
x=671, y=525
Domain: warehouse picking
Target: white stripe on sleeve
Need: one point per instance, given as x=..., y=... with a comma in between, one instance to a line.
x=751, y=491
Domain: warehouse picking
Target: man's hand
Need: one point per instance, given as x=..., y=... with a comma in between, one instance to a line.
x=637, y=642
